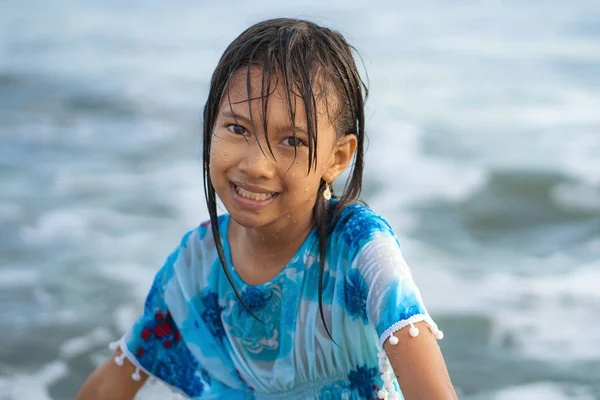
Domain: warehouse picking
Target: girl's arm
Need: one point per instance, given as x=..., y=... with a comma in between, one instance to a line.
x=112, y=382
x=419, y=366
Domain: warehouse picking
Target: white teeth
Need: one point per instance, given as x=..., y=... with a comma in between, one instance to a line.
x=253, y=196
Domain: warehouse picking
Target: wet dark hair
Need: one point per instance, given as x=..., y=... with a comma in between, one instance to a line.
x=313, y=63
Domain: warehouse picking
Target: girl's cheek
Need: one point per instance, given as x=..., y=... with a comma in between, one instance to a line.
x=217, y=139
x=221, y=146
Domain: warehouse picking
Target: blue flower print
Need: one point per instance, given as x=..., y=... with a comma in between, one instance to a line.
x=156, y=294
x=161, y=350
x=362, y=379
x=255, y=299
x=356, y=292
x=358, y=224
x=212, y=314
x=192, y=379
x=399, y=301
x=332, y=391
x=311, y=291
x=271, y=337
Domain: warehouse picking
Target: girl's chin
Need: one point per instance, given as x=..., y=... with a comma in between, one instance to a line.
x=248, y=222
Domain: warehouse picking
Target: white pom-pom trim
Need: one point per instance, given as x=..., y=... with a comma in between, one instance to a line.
x=414, y=331
x=136, y=375
x=389, y=333
x=388, y=391
x=386, y=378
x=388, y=381
x=120, y=360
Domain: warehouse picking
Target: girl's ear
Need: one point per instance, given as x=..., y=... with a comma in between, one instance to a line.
x=342, y=154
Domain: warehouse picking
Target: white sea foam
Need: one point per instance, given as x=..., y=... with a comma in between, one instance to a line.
x=137, y=277
x=556, y=322
x=80, y=345
x=580, y=156
x=34, y=386
x=55, y=225
x=580, y=50
x=550, y=316
x=126, y=315
x=11, y=277
x=542, y=391
x=68, y=182
x=408, y=177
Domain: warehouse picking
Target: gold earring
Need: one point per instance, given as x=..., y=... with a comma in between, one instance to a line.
x=327, y=192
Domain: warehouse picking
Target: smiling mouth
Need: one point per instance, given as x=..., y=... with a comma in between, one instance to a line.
x=253, y=195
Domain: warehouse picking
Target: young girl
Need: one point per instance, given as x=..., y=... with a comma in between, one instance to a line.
x=296, y=293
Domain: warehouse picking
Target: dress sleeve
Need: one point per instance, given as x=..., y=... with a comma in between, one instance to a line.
x=154, y=343
x=393, y=300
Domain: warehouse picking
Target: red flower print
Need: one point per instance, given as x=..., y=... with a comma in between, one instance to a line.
x=158, y=332
x=166, y=328
x=146, y=334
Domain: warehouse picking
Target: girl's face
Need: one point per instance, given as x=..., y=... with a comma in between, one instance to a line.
x=256, y=188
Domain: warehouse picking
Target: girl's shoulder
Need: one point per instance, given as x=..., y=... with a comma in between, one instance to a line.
x=358, y=224
x=203, y=232
x=198, y=243
x=193, y=259
x=359, y=219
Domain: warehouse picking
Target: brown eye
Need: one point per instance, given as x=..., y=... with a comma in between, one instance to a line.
x=237, y=129
x=294, y=142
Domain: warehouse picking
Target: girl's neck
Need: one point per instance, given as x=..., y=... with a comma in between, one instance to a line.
x=272, y=245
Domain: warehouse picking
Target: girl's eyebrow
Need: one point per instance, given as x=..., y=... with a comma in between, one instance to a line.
x=232, y=115
x=288, y=128
x=243, y=118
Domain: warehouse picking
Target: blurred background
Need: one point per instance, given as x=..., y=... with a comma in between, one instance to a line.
x=484, y=155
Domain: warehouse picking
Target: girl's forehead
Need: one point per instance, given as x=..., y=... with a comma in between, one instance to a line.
x=238, y=91
x=237, y=94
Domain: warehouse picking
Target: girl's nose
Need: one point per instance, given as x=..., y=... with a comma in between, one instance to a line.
x=257, y=162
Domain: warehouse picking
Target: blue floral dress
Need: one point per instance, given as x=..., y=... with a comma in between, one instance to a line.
x=196, y=336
